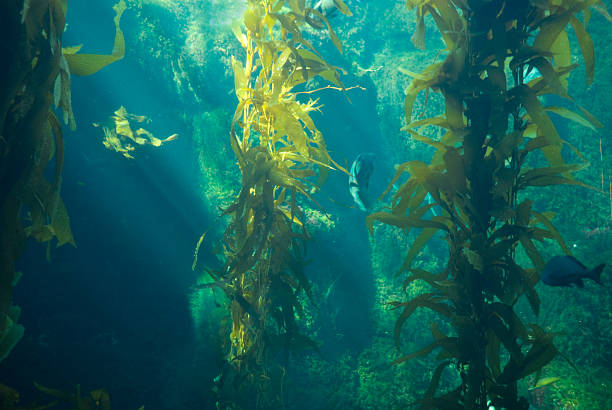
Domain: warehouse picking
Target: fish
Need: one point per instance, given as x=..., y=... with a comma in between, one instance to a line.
x=359, y=179
x=326, y=7
x=567, y=271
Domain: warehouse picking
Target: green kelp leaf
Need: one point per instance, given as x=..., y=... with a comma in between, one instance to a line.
x=435, y=380
x=601, y=8
x=101, y=399
x=529, y=278
x=538, y=115
x=417, y=245
x=542, y=352
x=432, y=279
x=590, y=117
x=343, y=7
x=421, y=353
x=240, y=80
x=530, y=175
x=542, y=218
x=562, y=55
x=473, y=258
x=545, y=382
x=11, y=333
x=332, y=34
x=556, y=180
x=412, y=202
x=428, y=77
x=553, y=80
x=87, y=64
x=251, y=20
x=297, y=6
x=492, y=352
x=59, y=148
x=507, y=338
x=404, y=222
x=399, y=170
x=60, y=394
x=586, y=46
x=61, y=224
x=240, y=36
x=550, y=29
x=418, y=37
x=532, y=252
x=450, y=24
x=511, y=320
x=426, y=300
x=573, y=116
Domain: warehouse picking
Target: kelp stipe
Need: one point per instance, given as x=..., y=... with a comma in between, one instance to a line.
x=278, y=149
x=493, y=122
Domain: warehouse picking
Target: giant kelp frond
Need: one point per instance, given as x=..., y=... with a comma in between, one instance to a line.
x=493, y=121
x=282, y=158
x=37, y=75
x=87, y=64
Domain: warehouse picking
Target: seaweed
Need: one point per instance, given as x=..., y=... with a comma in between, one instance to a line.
x=279, y=151
x=98, y=399
x=36, y=76
x=120, y=137
x=492, y=123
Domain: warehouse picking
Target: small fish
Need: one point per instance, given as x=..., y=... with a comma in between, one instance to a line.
x=361, y=171
x=567, y=271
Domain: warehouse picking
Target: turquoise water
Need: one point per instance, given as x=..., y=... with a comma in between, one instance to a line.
x=121, y=310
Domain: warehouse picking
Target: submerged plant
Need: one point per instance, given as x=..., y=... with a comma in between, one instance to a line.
x=120, y=137
x=36, y=77
x=493, y=124
x=278, y=149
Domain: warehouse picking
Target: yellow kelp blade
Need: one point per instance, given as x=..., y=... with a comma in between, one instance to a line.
x=545, y=382
x=87, y=64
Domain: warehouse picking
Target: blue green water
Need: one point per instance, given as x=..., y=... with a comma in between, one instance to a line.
x=118, y=311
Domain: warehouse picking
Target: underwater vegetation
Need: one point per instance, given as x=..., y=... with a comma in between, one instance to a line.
x=492, y=125
x=278, y=147
x=119, y=136
x=35, y=79
x=97, y=399
x=474, y=271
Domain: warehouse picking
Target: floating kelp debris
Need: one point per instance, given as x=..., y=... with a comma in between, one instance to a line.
x=120, y=137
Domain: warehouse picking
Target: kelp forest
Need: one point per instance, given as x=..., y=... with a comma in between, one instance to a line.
x=324, y=204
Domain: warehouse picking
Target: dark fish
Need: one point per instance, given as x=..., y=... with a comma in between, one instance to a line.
x=567, y=271
x=361, y=171
x=326, y=7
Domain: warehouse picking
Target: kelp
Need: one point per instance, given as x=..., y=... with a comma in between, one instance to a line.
x=88, y=64
x=282, y=158
x=120, y=137
x=492, y=123
x=97, y=399
x=94, y=400
x=36, y=77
